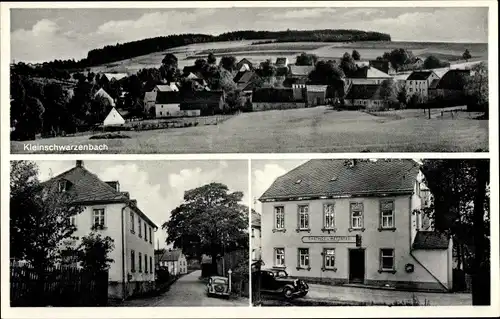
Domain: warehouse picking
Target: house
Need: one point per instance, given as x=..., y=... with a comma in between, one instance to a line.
x=256, y=236
x=299, y=91
x=281, y=62
x=244, y=62
x=244, y=67
x=366, y=75
x=204, y=102
x=115, y=76
x=149, y=102
x=365, y=96
x=111, y=212
x=168, y=104
x=316, y=95
x=102, y=94
x=275, y=99
x=452, y=86
x=300, y=71
x=174, y=260
x=383, y=65
x=418, y=82
x=342, y=221
x=114, y=118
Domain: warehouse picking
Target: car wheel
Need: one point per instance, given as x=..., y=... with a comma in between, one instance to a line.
x=288, y=292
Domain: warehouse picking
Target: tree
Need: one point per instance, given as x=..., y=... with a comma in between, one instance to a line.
x=387, y=91
x=402, y=95
x=460, y=209
x=267, y=69
x=347, y=64
x=466, y=55
x=432, y=62
x=477, y=87
x=228, y=62
x=39, y=217
x=55, y=102
x=399, y=57
x=212, y=216
x=328, y=73
x=93, y=252
x=170, y=61
x=200, y=64
x=306, y=59
x=211, y=58
x=355, y=55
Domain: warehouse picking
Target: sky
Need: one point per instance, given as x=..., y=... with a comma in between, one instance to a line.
x=39, y=35
x=159, y=186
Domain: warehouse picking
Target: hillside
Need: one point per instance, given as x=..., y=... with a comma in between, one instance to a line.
x=121, y=51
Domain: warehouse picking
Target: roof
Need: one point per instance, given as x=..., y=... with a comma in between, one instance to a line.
x=164, y=88
x=382, y=65
x=243, y=77
x=168, y=97
x=272, y=95
x=364, y=92
x=123, y=112
x=454, y=80
x=244, y=67
x=434, y=84
x=244, y=61
x=316, y=88
x=255, y=219
x=171, y=255
x=419, y=75
x=362, y=63
x=202, y=97
x=368, y=73
x=86, y=187
x=281, y=60
x=301, y=70
x=150, y=96
x=116, y=76
x=332, y=177
x=430, y=240
x=102, y=93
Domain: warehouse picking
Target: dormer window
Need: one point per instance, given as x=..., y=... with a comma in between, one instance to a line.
x=62, y=186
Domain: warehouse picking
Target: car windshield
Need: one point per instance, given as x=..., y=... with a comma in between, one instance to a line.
x=281, y=274
x=219, y=281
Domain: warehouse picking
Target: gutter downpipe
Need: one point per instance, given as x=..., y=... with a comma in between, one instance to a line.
x=123, y=252
x=418, y=261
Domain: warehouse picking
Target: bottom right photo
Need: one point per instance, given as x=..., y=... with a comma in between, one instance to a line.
x=370, y=232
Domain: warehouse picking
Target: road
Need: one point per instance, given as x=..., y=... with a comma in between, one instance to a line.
x=188, y=291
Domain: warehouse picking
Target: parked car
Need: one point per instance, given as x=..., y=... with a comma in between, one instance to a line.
x=218, y=286
x=277, y=282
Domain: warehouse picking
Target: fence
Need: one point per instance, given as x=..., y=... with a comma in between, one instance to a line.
x=237, y=261
x=57, y=287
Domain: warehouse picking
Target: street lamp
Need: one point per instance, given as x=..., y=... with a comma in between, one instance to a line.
x=229, y=272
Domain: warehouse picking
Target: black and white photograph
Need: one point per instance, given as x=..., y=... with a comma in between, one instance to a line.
x=249, y=80
x=129, y=233
x=371, y=232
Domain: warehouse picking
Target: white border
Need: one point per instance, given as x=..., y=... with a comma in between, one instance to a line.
x=226, y=312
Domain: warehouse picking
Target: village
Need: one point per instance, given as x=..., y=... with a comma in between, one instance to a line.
x=90, y=242
x=210, y=92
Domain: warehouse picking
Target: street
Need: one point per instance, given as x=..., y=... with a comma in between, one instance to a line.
x=188, y=291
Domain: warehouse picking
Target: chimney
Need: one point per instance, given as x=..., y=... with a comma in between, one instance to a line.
x=79, y=163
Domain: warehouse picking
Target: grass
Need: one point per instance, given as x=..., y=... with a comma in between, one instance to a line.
x=301, y=130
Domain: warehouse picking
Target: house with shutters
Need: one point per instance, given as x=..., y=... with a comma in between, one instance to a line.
x=110, y=211
x=353, y=222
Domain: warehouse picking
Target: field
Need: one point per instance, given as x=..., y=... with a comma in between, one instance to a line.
x=301, y=130
x=326, y=50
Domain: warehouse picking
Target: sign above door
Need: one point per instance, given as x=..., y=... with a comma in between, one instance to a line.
x=329, y=239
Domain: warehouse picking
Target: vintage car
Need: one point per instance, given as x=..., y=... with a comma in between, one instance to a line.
x=277, y=281
x=218, y=286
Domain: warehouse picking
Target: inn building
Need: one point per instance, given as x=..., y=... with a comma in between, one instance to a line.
x=352, y=222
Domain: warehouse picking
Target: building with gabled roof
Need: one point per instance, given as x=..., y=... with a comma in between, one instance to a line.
x=365, y=96
x=101, y=93
x=174, y=260
x=109, y=211
x=419, y=82
x=355, y=222
x=115, y=76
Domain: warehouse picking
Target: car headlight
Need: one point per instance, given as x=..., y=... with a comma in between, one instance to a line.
x=295, y=282
x=210, y=281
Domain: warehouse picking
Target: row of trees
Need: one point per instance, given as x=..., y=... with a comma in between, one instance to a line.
x=39, y=225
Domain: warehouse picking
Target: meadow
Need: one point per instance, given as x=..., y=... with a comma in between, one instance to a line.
x=308, y=130
x=325, y=50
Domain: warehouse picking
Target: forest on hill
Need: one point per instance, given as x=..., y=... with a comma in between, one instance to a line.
x=121, y=51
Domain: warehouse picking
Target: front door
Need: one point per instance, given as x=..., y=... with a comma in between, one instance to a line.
x=356, y=265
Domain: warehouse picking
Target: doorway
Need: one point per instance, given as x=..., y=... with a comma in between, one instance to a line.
x=356, y=265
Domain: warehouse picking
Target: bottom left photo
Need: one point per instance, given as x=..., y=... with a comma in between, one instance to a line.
x=129, y=233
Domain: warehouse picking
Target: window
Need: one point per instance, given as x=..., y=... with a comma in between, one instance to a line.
x=160, y=113
x=387, y=214
x=72, y=220
x=140, y=262
x=329, y=216
x=279, y=254
x=132, y=223
x=279, y=217
x=98, y=217
x=62, y=186
x=145, y=232
x=386, y=259
x=132, y=261
x=329, y=258
x=303, y=257
x=253, y=232
x=409, y=90
x=140, y=227
x=304, y=217
x=145, y=263
x=150, y=236
x=151, y=264
x=356, y=215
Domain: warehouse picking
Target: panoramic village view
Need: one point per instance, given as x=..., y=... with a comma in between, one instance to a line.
x=407, y=89
x=359, y=232
x=103, y=233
